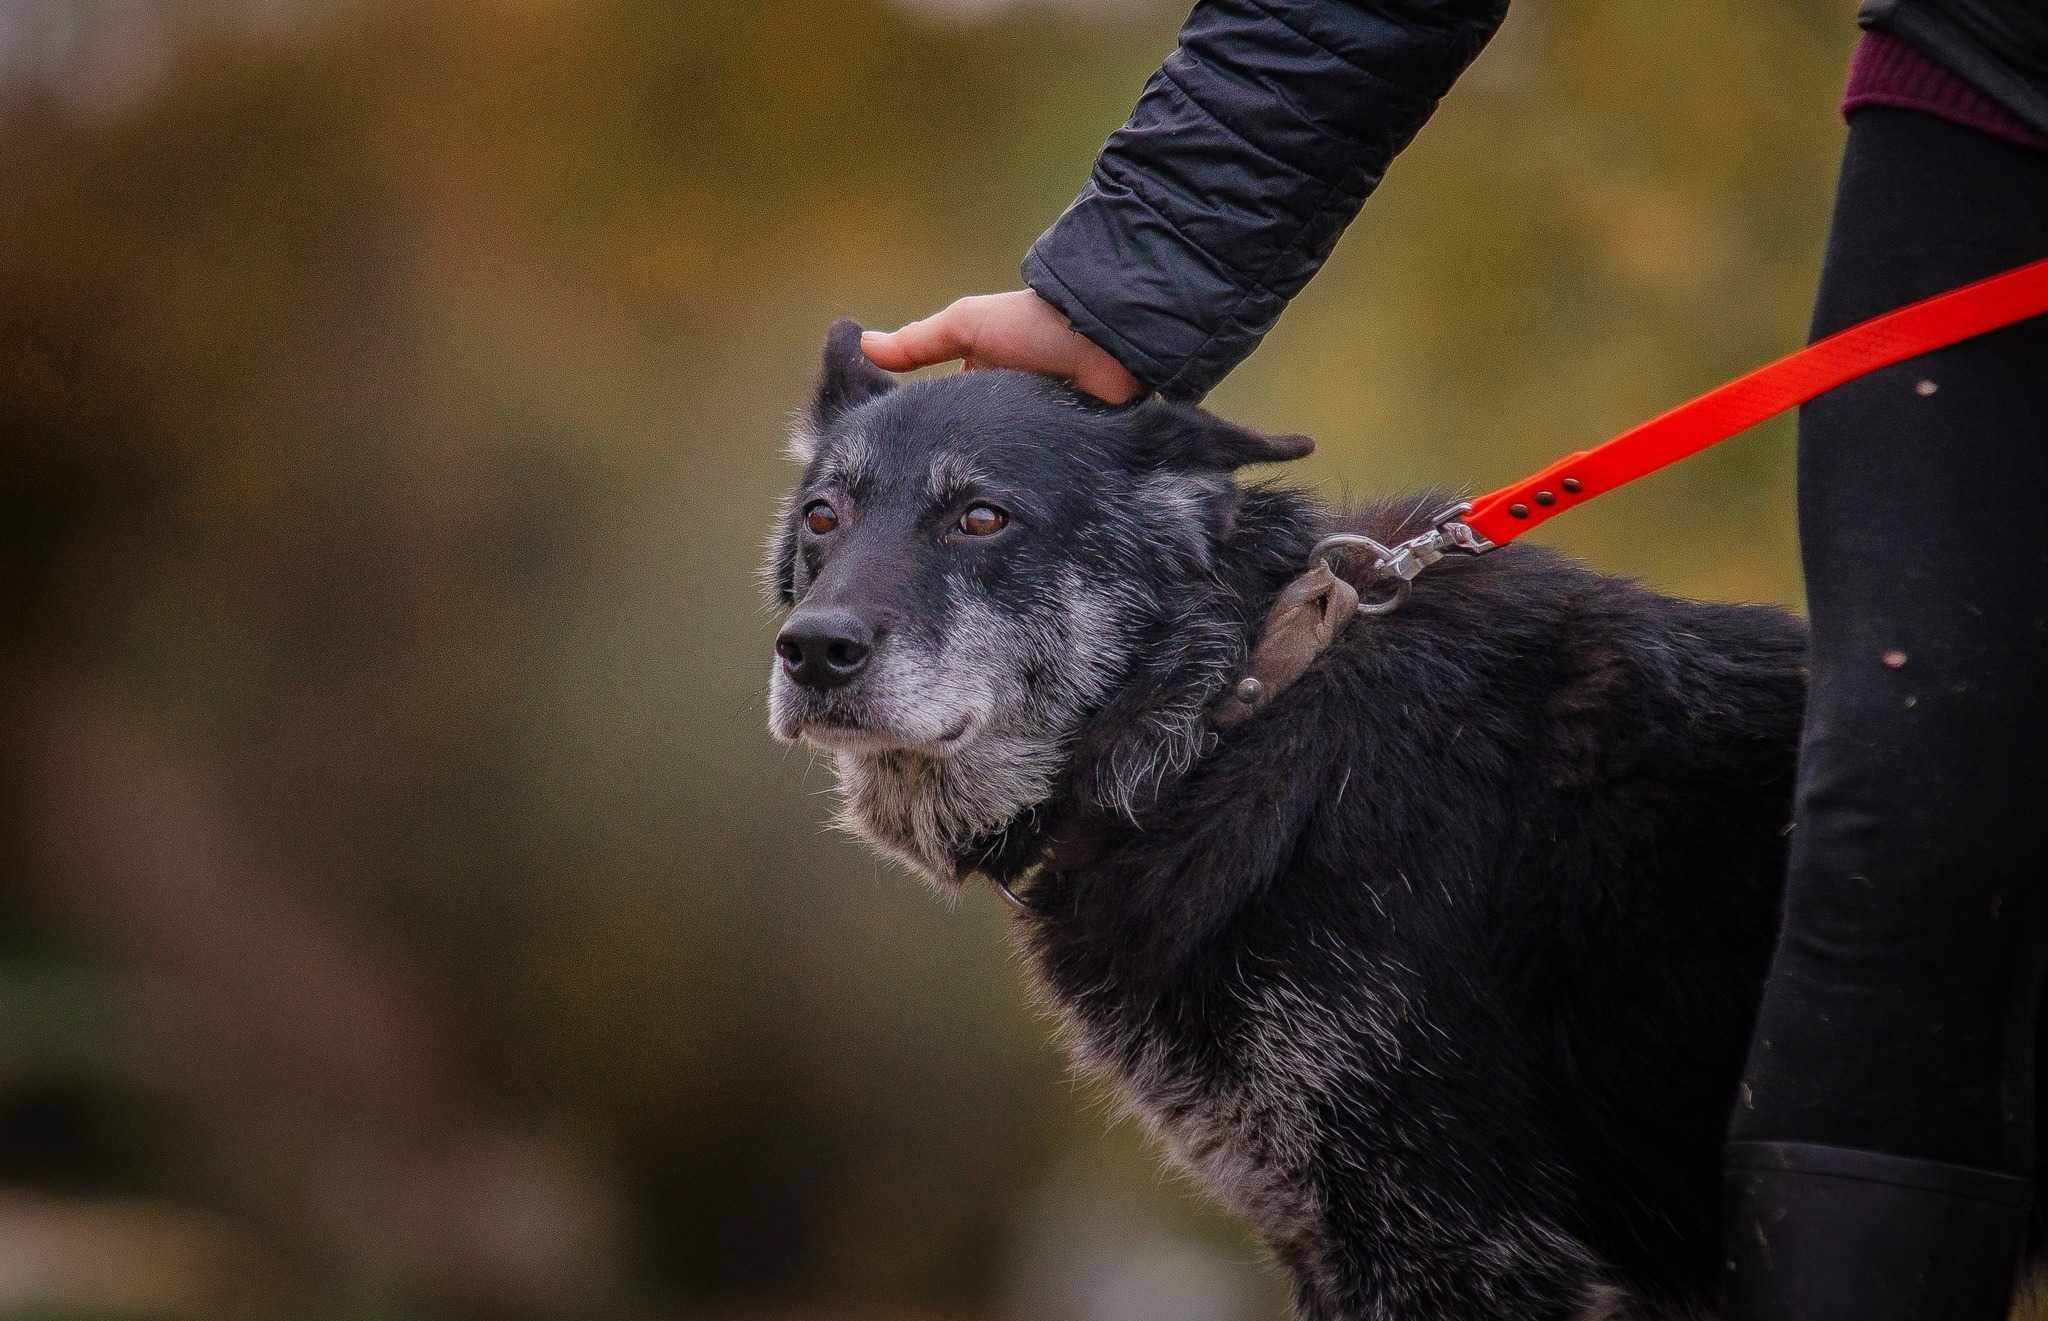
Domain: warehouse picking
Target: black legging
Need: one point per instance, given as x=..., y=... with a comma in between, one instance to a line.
x=1901, y=1008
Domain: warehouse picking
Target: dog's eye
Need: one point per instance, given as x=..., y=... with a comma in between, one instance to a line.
x=983, y=521
x=819, y=518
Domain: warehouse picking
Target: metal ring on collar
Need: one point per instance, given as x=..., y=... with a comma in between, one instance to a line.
x=1017, y=901
x=1333, y=547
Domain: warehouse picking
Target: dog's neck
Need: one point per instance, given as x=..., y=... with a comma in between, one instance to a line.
x=1156, y=725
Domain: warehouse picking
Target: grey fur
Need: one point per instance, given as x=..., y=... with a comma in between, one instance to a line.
x=925, y=805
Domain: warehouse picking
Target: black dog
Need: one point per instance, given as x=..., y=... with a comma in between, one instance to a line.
x=1440, y=967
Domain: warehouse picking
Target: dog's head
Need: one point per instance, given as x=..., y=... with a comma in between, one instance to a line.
x=974, y=567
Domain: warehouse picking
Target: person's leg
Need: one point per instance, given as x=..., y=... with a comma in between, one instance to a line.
x=1882, y=1141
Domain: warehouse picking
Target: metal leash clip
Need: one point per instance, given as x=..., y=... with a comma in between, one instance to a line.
x=1400, y=564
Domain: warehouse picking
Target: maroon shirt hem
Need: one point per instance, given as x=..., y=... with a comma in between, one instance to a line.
x=1886, y=71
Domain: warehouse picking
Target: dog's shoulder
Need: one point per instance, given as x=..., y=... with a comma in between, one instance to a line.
x=1561, y=665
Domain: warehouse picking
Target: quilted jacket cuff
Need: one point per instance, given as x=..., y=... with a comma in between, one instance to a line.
x=1198, y=316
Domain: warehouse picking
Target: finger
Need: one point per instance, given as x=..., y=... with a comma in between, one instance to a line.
x=939, y=338
x=886, y=350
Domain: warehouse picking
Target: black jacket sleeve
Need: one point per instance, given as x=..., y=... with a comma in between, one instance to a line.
x=1249, y=151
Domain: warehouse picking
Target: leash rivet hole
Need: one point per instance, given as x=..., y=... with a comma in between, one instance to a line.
x=1546, y=497
x=1571, y=486
x=1518, y=511
x=1249, y=690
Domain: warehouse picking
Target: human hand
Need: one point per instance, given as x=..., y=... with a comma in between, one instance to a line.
x=1017, y=329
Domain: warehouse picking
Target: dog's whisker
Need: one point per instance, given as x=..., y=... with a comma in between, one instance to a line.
x=1415, y=509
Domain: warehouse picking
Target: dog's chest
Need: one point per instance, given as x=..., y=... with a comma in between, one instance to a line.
x=1240, y=1093
x=1301, y=1113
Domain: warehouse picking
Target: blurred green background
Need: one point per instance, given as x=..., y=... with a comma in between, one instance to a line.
x=410, y=915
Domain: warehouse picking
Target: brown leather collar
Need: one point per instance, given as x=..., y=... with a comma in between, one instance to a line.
x=1306, y=618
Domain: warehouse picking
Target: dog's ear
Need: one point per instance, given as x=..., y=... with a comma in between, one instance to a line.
x=845, y=378
x=1183, y=436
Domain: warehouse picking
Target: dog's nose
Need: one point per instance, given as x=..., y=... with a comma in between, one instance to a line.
x=824, y=648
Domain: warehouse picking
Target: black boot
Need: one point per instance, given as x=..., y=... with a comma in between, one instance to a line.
x=1817, y=1233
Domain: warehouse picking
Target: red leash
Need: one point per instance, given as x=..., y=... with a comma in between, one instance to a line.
x=1932, y=323
x=1498, y=517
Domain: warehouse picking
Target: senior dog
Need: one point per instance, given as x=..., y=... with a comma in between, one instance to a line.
x=1438, y=965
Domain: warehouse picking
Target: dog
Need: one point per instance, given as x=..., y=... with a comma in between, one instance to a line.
x=1439, y=967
